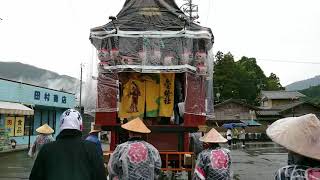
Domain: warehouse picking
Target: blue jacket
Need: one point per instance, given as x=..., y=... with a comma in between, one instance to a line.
x=95, y=140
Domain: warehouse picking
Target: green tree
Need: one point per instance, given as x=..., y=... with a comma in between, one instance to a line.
x=251, y=79
x=243, y=79
x=273, y=83
x=224, y=73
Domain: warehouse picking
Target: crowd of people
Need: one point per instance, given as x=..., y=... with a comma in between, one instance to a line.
x=72, y=157
x=233, y=135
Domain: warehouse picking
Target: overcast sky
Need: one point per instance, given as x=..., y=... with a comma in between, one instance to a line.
x=54, y=34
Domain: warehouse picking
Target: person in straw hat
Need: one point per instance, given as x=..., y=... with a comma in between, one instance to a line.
x=135, y=159
x=44, y=137
x=69, y=157
x=213, y=162
x=93, y=137
x=301, y=137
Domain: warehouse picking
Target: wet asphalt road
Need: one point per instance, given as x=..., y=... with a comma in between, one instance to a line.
x=15, y=165
x=258, y=161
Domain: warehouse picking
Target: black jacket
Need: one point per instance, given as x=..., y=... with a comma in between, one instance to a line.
x=68, y=158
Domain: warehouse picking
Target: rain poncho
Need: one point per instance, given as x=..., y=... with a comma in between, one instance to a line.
x=213, y=164
x=135, y=159
x=41, y=140
x=297, y=172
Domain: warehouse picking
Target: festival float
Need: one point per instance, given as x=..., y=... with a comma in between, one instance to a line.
x=156, y=64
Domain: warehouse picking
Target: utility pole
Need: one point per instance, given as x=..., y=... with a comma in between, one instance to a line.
x=189, y=8
x=81, y=65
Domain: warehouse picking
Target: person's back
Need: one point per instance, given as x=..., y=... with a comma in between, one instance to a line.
x=135, y=159
x=297, y=172
x=69, y=157
x=40, y=141
x=96, y=141
x=93, y=137
x=214, y=164
x=43, y=138
x=300, y=136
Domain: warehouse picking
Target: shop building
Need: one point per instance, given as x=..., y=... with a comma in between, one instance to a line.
x=25, y=107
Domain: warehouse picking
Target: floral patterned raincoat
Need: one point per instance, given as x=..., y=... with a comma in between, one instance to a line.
x=133, y=160
x=297, y=172
x=213, y=164
x=41, y=140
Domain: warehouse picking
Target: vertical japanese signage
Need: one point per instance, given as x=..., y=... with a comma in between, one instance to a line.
x=19, y=129
x=166, y=94
x=9, y=120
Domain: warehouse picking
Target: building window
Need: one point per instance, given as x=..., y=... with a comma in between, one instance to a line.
x=44, y=116
x=28, y=125
x=16, y=125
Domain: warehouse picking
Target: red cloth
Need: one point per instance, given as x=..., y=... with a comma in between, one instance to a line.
x=191, y=120
x=195, y=94
x=107, y=92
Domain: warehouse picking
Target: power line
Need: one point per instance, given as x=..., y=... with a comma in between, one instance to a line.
x=287, y=61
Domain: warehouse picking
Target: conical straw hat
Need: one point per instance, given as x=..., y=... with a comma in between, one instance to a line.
x=213, y=136
x=298, y=134
x=136, y=125
x=45, y=129
x=95, y=128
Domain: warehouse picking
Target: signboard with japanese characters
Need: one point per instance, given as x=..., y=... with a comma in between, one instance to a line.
x=19, y=129
x=34, y=95
x=9, y=126
x=47, y=97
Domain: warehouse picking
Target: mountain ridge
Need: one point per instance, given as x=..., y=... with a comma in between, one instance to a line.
x=304, y=84
x=30, y=74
